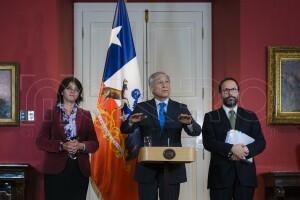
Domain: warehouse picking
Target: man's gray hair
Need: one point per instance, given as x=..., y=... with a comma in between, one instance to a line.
x=154, y=76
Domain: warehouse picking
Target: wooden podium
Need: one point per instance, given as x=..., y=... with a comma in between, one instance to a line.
x=167, y=154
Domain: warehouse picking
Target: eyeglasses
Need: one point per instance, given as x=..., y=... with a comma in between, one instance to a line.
x=231, y=90
x=73, y=89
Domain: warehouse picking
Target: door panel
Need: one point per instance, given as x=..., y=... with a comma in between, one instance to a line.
x=176, y=48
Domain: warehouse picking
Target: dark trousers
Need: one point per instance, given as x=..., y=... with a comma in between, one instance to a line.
x=161, y=187
x=237, y=192
x=149, y=191
x=69, y=184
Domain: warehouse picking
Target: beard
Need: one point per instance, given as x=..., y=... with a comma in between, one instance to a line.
x=230, y=101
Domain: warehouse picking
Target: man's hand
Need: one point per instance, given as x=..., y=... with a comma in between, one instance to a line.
x=246, y=150
x=239, y=151
x=234, y=157
x=137, y=117
x=185, y=119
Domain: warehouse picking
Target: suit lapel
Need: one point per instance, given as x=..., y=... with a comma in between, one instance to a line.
x=170, y=111
x=153, y=112
x=224, y=119
x=58, y=119
x=79, y=117
x=238, y=121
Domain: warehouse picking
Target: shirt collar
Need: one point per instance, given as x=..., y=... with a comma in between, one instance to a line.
x=60, y=106
x=166, y=101
x=227, y=109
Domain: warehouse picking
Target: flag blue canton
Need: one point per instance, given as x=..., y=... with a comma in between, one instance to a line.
x=118, y=56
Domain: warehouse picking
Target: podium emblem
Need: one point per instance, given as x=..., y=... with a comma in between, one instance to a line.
x=169, y=154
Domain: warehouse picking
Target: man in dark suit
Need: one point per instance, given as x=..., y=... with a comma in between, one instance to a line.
x=232, y=173
x=163, y=119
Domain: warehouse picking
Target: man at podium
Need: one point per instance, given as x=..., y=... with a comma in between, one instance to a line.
x=163, y=120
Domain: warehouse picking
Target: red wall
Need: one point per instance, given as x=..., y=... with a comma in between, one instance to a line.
x=260, y=24
x=225, y=42
x=268, y=23
x=39, y=35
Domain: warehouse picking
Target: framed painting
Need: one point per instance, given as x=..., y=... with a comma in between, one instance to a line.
x=9, y=94
x=283, y=85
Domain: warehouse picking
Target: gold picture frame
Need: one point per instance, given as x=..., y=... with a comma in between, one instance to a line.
x=283, y=85
x=9, y=94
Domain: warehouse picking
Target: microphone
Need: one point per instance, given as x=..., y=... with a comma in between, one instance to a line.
x=167, y=132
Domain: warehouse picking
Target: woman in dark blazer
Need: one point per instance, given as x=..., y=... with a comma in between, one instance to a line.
x=67, y=136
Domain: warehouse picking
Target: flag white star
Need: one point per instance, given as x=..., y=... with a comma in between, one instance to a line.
x=113, y=36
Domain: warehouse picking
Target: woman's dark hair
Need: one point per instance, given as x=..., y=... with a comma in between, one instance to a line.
x=64, y=84
x=228, y=79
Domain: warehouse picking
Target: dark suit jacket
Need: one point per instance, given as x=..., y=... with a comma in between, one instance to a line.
x=147, y=173
x=222, y=170
x=52, y=133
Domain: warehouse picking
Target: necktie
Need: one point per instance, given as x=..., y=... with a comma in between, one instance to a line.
x=162, y=117
x=232, y=118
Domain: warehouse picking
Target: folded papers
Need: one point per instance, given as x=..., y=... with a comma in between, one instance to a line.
x=238, y=137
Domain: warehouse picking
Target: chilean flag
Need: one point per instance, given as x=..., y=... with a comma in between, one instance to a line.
x=120, y=91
